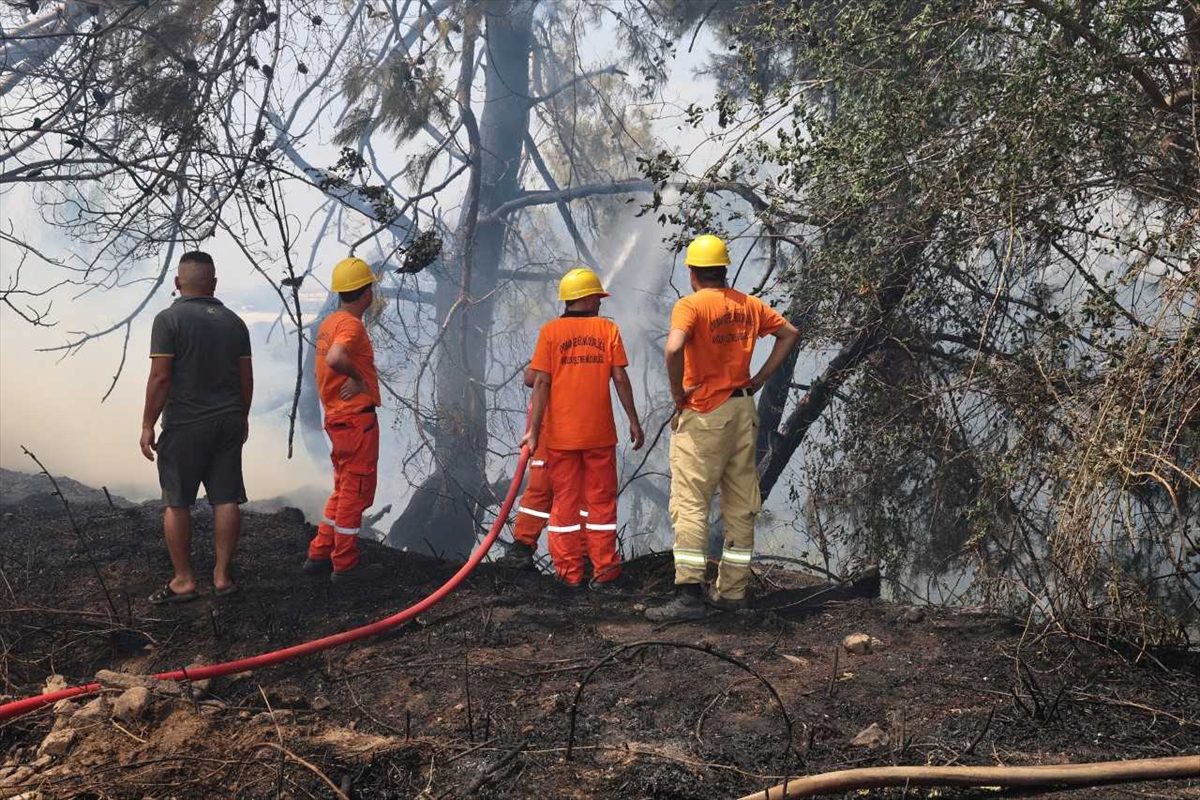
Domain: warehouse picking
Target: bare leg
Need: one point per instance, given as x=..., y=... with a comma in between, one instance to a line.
x=227, y=526
x=177, y=525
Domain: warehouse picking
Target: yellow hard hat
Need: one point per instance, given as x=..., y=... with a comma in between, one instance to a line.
x=707, y=250
x=579, y=283
x=350, y=274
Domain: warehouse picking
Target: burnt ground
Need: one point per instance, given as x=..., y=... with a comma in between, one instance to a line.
x=475, y=698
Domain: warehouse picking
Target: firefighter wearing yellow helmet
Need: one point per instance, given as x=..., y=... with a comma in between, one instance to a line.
x=715, y=431
x=573, y=436
x=349, y=388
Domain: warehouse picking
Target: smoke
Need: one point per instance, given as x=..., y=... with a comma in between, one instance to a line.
x=52, y=406
x=52, y=403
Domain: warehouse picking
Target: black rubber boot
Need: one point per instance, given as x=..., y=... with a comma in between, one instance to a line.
x=568, y=592
x=518, y=556
x=361, y=573
x=688, y=603
x=728, y=603
x=614, y=588
x=317, y=567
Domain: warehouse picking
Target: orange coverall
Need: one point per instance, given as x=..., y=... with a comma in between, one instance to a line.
x=354, y=434
x=533, y=511
x=578, y=353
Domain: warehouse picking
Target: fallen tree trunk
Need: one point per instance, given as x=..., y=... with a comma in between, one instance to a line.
x=1094, y=774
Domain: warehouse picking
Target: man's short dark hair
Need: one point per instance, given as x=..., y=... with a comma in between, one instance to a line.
x=350, y=297
x=711, y=276
x=197, y=257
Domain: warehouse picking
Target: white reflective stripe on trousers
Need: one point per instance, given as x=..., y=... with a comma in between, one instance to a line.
x=694, y=558
x=736, y=555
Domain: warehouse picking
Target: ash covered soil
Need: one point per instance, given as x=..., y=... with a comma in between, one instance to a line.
x=475, y=698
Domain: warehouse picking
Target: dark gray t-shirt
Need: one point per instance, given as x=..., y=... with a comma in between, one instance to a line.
x=206, y=342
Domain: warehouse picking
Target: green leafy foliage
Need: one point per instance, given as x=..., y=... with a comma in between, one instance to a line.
x=1022, y=179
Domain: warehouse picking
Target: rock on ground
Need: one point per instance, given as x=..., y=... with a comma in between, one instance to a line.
x=57, y=743
x=54, y=683
x=861, y=644
x=132, y=704
x=64, y=712
x=65, y=708
x=871, y=736
x=94, y=711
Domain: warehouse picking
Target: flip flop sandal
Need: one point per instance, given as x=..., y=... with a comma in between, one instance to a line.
x=167, y=596
x=228, y=590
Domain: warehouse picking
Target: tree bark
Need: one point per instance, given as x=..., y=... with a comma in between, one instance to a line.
x=772, y=400
x=446, y=509
x=782, y=444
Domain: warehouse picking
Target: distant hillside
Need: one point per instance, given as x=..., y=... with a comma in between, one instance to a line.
x=24, y=488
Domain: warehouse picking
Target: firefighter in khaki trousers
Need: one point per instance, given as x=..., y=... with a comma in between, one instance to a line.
x=575, y=358
x=349, y=388
x=715, y=431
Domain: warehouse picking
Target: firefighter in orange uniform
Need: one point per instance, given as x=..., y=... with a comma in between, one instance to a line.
x=349, y=388
x=533, y=510
x=575, y=358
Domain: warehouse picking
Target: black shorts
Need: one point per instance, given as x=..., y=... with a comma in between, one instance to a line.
x=208, y=452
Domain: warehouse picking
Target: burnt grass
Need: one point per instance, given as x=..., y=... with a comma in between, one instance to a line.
x=475, y=698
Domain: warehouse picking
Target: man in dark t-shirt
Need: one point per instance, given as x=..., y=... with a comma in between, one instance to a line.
x=201, y=383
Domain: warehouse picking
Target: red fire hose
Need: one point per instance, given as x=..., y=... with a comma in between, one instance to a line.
x=18, y=707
